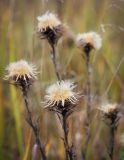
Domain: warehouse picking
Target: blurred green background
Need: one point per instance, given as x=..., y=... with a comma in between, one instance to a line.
x=18, y=40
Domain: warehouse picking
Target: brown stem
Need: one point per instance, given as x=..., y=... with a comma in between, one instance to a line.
x=53, y=57
x=113, y=128
x=88, y=109
x=112, y=142
x=34, y=127
x=68, y=150
x=88, y=86
x=66, y=145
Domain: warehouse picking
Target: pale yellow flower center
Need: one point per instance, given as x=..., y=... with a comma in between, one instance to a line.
x=61, y=94
x=53, y=22
x=20, y=71
x=90, y=40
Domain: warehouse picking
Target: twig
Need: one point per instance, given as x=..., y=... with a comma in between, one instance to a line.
x=34, y=127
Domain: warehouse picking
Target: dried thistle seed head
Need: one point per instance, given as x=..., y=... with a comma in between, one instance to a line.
x=50, y=27
x=89, y=41
x=21, y=72
x=110, y=111
x=61, y=96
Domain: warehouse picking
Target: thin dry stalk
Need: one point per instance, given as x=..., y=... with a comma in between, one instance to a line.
x=88, y=108
x=69, y=151
x=66, y=144
x=112, y=141
x=113, y=128
x=34, y=126
x=53, y=57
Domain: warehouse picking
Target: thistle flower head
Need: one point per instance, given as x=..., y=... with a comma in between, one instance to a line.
x=20, y=72
x=61, y=96
x=89, y=41
x=110, y=111
x=49, y=27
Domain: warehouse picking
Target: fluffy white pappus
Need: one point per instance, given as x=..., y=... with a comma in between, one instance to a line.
x=61, y=92
x=92, y=38
x=21, y=69
x=108, y=108
x=47, y=20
